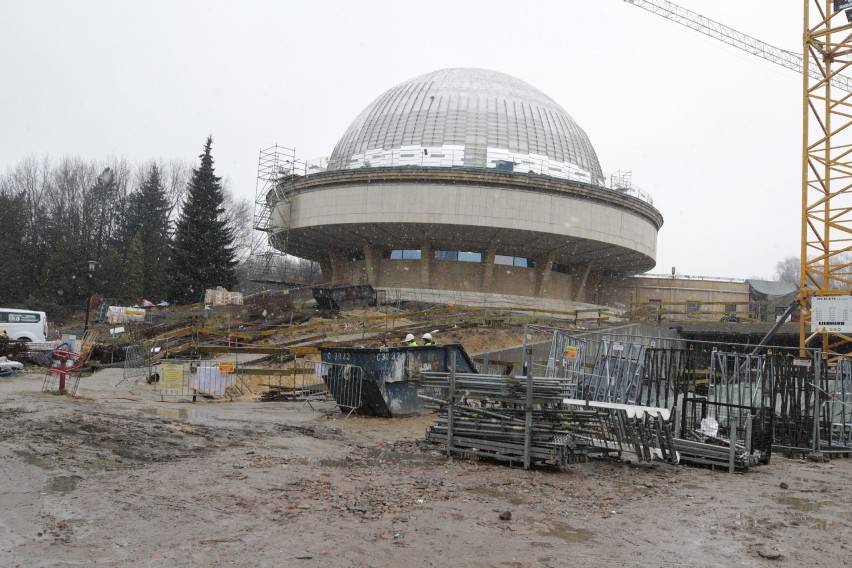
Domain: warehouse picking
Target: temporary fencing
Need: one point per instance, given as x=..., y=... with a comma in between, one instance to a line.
x=722, y=407
x=301, y=382
x=311, y=381
x=345, y=383
x=839, y=404
x=136, y=363
x=190, y=378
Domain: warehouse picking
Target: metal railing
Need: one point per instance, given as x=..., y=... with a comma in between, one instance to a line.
x=191, y=378
x=313, y=381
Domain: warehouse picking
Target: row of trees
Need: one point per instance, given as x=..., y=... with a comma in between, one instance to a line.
x=789, y=269
x=161, y=230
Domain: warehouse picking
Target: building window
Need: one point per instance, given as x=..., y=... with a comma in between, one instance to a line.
x=513, y=261
x=404, y=254
x=730, y=308
x=693, y=306
x=355, y=255
x=461, y=256
x=562, y=268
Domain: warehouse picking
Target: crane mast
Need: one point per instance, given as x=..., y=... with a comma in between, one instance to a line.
x=826, y=253
x=826, y=185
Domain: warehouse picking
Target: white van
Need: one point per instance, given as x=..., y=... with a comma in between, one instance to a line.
x=23, y=325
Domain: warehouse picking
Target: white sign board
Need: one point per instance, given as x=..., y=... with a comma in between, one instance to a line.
x=831, y=314
x=118, y=314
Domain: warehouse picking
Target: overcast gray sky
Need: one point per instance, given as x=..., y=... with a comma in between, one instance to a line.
x=713, y=133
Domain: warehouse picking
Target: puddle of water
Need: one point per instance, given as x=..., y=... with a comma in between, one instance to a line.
x=566, y=533
x=181, y=413
x=826, y=525
x=64, y=483
x=831, y=524
x=33, y=459
x=799, y=504
x=839, y=518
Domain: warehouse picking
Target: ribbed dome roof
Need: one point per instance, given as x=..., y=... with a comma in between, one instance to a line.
x=480, y=115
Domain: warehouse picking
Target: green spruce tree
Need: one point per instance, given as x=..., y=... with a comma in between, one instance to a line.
x=134, y=270
x=202, y=252
x=111, y=281
x=149, y=217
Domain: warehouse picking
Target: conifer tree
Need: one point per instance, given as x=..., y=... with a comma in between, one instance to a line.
x=202, y=252
x=149, y=217
x=134, y=270
x=111, y=280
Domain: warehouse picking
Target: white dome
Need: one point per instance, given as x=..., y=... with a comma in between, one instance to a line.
x=471, y=118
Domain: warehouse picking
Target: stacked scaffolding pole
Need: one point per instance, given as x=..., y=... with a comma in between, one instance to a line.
x=527, y=420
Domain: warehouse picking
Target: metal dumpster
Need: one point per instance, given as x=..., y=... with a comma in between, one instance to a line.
x=389, y=388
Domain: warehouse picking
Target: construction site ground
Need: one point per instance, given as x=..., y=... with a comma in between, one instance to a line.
x=116, y=477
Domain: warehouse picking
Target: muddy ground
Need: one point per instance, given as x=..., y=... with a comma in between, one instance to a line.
x=116, y=477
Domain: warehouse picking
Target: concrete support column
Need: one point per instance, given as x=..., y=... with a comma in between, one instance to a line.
x=579, y=280
x=339, y=267
x=373, y=263
x=327, y=270
x=543, y=270
x=426, y=255
x=488, y=268
x=593, y=283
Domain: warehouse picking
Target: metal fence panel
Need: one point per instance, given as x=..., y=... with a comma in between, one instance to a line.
x=136, y=363
x=317, y=380
x=181, y=378
x=840, y=404
x=346, y=384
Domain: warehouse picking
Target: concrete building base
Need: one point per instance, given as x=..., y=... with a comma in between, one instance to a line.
x=555, y=308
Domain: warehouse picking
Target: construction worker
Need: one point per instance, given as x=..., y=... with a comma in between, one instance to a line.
x=427, y=339
x=410, y=341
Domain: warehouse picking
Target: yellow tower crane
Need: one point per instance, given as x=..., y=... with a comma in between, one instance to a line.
x=825, y=290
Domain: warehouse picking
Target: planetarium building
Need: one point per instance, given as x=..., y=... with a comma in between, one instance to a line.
x=472, y=184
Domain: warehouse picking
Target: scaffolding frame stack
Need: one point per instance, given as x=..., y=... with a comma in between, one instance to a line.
x=529, y=421
x=277, y=172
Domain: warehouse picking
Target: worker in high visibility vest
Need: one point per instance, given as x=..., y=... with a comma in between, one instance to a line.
x=427, y=339
x=410, y=341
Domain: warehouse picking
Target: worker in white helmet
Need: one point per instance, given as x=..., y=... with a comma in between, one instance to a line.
x=410, y=341
x=427, y=339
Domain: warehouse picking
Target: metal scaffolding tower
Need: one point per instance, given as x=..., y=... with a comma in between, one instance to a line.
x=621, y=180
x=277, y=171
